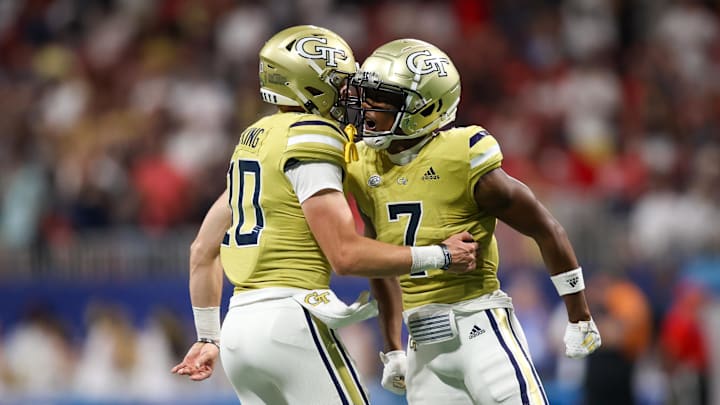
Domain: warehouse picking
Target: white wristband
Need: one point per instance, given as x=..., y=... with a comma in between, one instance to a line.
x=569, y=282
x=428, y=258
x=207, y=323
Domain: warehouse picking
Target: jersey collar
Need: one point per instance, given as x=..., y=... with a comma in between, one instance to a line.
x=408, y=155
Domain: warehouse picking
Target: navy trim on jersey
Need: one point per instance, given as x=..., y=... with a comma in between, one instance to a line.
x=532, y=366
x=318, y=122
x=518, y=373
x=350, y=367
x=477, y=137
x=321, y=350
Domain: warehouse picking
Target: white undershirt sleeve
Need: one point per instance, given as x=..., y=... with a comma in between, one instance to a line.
x=310, y=177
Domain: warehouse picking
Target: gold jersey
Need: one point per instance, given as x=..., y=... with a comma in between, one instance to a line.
x=269, y=243
x=428, y=200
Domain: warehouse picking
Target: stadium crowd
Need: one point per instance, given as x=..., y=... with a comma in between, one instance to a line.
x=122, y=114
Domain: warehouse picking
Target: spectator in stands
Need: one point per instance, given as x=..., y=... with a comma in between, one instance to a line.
x=622, y=312
x=684, y=347
x=39, y=353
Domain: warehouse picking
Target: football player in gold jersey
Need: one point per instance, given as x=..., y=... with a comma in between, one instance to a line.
x=281, y=227
x=418, y=179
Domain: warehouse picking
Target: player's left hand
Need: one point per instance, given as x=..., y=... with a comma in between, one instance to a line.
x=463, y=252
x=581, y=339
x=199, y=361
x=393, y=378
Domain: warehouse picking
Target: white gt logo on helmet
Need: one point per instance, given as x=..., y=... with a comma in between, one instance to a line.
x=328, y=53
x=429, y=64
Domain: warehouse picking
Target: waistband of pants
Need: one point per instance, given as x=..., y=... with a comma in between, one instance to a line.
x=263, y=294
x=495, y=299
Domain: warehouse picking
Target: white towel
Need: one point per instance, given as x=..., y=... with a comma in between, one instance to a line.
x=327, y=307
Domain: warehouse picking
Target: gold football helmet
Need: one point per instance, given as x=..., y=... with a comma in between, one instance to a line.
x=306, y=66
x=423, y=81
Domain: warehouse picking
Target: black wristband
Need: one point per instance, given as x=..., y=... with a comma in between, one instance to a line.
x=448, y=256
x=208, y=340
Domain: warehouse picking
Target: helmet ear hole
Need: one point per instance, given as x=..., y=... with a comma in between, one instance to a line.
x=314, y=91
x=427, y=110
x=290, y=45
x=439, y=105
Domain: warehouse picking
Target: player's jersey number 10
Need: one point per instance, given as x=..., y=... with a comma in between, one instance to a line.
x=244, y=188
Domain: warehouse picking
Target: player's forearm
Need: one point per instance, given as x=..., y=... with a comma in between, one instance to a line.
x=558, y=264
x=206, y=281
x=368, y=258
x=205, y=296
x=333, y=226
x=388, y=294
x=559, y=257
x=206, y=273
x=577, y=307
x=556, y=249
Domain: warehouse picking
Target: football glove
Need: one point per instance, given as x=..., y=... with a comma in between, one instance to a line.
x=393, y=378
x=581, y=339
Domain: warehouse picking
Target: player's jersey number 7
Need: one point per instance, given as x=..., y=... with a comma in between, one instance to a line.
x=413, y=210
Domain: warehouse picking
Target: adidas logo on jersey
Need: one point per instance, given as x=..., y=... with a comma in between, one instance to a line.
x=476, y=331
x=431, y=175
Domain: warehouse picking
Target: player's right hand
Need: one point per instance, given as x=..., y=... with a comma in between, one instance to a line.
x=199, y=361
x=393, y=378
x=581, y=339
x=463, y=252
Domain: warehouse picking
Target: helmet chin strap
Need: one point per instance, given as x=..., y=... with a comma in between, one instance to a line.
x=408, y=155
x=377, y=142
x=381, y=140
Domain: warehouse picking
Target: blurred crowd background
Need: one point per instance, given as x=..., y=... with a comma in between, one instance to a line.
x=118, y=117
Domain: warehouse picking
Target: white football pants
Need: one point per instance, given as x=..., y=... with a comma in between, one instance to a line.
x=275, y=352
x=487, y=363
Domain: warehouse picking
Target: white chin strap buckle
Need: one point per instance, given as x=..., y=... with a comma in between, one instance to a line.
x=377, y=142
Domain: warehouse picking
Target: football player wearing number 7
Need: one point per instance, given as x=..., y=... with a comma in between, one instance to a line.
x=280, y=229
x=417, y=179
